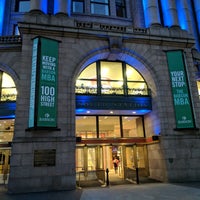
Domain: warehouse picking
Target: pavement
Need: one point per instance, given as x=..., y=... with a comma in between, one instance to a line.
x=148, y=191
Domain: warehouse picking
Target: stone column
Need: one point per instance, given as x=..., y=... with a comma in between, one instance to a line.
x=197, y=12
x=137, y=13
x=170, y=13
x=184, y=14
x=151, y=13
x=38, y=5
x=60, y=6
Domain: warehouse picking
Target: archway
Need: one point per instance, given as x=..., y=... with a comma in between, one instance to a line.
x=97, y=147
x=8, y=96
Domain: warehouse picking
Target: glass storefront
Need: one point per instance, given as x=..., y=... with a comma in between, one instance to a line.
x=93, y=161
x=8, y=95
x=99, y=132
x=109, y=126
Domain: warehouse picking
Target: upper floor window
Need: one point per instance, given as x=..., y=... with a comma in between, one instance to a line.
x=115, y=8
x=8, y=90
x=100, y=7
x=78, y=6
x=111, y=78
x=22, y=6
x=120, y=8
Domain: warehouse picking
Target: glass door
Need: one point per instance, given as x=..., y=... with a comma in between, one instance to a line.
x=89, y=164
x=113, y=161
x=136, y=161
x=91, y=159
x=4, y=165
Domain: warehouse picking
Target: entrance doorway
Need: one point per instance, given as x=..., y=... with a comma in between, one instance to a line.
x=4, y=165
x=92, y=162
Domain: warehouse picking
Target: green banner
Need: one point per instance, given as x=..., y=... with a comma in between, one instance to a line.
x=180, y=91
x=47, y=96
x=43, y=101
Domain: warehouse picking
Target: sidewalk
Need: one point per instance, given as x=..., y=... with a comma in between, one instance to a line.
x=149, y=191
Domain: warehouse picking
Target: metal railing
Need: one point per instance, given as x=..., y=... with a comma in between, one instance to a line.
x=113, y=91
x=89, y=175
x=8, y=97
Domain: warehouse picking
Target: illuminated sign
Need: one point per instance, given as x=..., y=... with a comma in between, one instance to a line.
x=180, y=91
x=107, y=103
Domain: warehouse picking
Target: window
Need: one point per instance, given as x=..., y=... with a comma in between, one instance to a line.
x=50, y=7
x=8, y=90
x=6, y=130
x=86, y=127
x=87, y=81
x=100, y=7
x=78, y=6
x=109, y=127
x=132, y=126
x=111, y=78
x=120, y=8
x=22, y=6
x=135, y=82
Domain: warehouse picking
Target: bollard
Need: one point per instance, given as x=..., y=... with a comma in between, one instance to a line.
x=137, y=175
x=107, y=177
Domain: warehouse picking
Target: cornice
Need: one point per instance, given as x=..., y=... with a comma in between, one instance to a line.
x=55, y=26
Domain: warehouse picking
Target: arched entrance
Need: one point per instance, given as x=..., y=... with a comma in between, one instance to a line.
x=8, y=95
x=112, y=101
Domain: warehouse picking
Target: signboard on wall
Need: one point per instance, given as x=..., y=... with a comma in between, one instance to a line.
x=180, y=90
x=111, y=102
x=43, y=96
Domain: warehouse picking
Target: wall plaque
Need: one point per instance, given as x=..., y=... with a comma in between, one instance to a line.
x=44, y=158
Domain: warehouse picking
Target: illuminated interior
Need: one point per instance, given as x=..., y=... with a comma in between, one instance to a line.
x=111, y=78
x=6, y=130
x=109, y=126
x=198, y=86
x=8, y=93
x=8, y=90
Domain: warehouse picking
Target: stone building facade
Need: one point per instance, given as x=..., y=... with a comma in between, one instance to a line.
x=143, y=35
